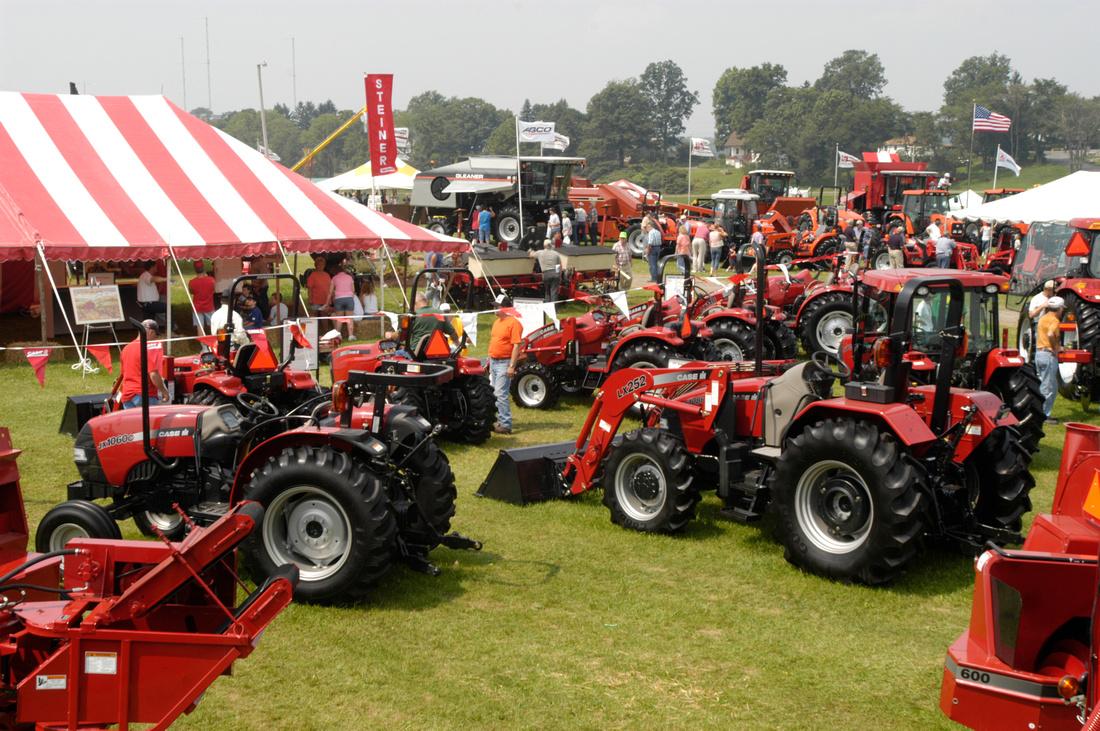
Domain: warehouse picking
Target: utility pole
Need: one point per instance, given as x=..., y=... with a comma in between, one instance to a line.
x=209, y=93
x=183, y=74
x=293, y=75
x=263, y=119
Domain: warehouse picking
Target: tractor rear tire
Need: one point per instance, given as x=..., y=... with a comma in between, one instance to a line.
x=734, y=339
x=880, y=259
x=849, y=501
x=634, y=243
x=1019, y=388
x=784, y=257
x=1004, y=480
x=172, y=525
x=506, y=227
x=780, y=342
x=1087, y=317
x=431, y=486
x=74, y=519
x=648, y=482
x=479, y=404
x=535, y=386
x=646, y=354
x=327, y=513
x=206, y=396
x=828, y=247
x=821, y=320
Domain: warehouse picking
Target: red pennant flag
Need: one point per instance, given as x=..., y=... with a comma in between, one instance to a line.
x=38, y=360
x=210, y=341
x=102, y=353
x=298, y=335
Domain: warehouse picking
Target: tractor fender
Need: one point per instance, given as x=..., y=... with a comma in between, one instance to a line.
x=898, y=419
x=999, y=358
x=469, y=367
x=737, y=314
x=222, y=382
x=300, y=380
x=1086, y=289
x=657, y=335
x=352, y=441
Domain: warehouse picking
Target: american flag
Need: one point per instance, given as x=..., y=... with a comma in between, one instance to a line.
x=991, y=121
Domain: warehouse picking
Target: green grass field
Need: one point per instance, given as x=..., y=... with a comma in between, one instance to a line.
x=566, y=621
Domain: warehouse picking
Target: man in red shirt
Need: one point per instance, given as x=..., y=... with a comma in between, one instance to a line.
x=202, y=296
x=132, y=372
x=319, y=285
x=505, y=344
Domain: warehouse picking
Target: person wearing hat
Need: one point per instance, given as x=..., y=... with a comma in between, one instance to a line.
x=1036, y=307
x=132, y=372
x=1047, y=345
x=624, y=265
x=505, y=343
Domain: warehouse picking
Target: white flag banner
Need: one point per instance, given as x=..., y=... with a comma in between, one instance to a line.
x=701, y=147
x=535, y=131
x=559, y=144
x=530, y=314
x=550, y=310
x=619, y=299
x=845, y=159
x=469, y=325
x=1004, y=160
x=674, y=286
x=401, y=137
x=392, y=316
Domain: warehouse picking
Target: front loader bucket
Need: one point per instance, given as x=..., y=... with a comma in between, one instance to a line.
x=527, y=474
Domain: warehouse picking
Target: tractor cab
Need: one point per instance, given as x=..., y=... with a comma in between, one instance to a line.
x=919, y=208
x=768, y=184
x=1052, y=250
x=897, y=182
x=995, y=194
x=735, y=209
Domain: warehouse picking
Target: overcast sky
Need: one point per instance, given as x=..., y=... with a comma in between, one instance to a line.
x=506, y=51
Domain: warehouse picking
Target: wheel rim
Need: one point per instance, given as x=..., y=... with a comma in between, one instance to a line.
x=508, y=230
x=640, y=364
x=166, y=522
x=831, y=329
x=882, y=261
x=833, y=507
x=303, y=525
x=727, y=347
x=785, y=259
x=634, y=243
x=64, y=533
x=531, y=389
x=640, y=487
x=438, y=228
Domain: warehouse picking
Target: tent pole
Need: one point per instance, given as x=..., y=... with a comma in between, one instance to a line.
x=168, y=304
x=41, y=277
x=186, y=291
x=286, y=261
x=401, y=285
x=64, y=314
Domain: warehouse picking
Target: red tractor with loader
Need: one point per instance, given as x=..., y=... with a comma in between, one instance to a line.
x=857, y=482
x=110, y=632
x=1067, y=254
x=461, y=404
x=1029, y=656
x=340, y=503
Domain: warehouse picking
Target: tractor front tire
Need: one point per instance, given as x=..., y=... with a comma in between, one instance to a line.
x=634, y=241
x=823, y=320
x=206, y=396
x=507, y=229
x=479, y=406
x=780, y=342
x=74, y=519
x=1019, y=388
x=172, y=525
x=535, y=386
x=1004, y=480
x=784, y=257
x=734, y=340
x=646, y=354
x=327, y=513
x=648, y=483
x=849, y=502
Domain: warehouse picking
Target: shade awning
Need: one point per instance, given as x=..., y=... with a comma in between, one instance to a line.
x=129, y=177
x=361, y=178
x=477, y=186
x=1073, y=196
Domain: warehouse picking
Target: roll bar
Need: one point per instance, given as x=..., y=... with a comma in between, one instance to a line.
x=146, y=441
x=224, y=346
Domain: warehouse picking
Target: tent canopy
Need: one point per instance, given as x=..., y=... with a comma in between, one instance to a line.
x=128, y=177
x=361, y=178
x=1060, y=200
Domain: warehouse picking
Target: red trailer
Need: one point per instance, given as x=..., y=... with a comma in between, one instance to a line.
x=880, y=180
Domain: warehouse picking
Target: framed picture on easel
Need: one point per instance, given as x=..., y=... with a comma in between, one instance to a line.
x=97, y=305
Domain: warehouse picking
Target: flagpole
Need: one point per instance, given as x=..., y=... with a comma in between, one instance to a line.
x=836, y=164
x=970, y=157
x=690, y=145
x=519, y=186
x=996, y=164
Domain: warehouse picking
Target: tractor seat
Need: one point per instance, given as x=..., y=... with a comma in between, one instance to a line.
x=652, y=316
x=786, y=395
x=242, y=362
x=805, y=276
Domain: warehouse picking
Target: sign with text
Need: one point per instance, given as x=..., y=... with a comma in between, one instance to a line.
x=383, y=143
x=535, y=131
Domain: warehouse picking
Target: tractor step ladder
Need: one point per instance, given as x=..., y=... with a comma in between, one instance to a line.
x=595, y=374
x=747, y=500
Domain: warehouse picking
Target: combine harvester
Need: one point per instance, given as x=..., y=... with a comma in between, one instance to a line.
x=135, y=632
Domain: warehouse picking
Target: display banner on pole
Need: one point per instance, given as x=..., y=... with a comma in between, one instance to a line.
x=542, y=132
x=383, y=142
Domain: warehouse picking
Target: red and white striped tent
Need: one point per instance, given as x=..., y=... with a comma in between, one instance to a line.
x=128, y=177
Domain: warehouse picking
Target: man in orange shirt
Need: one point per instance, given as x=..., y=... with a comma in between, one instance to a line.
x=505, y=343
x=319, y=285
x=132, y=373
x=1047, y=345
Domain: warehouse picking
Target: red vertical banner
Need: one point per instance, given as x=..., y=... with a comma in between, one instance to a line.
x=383, y=144
x=102, y=353
x=38, y=360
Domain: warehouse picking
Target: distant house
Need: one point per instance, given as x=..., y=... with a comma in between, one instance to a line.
x=737, y=152
x=905, y=148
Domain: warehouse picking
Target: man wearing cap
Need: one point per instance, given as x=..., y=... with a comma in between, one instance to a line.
x=505, y=343
x=1047, y=345
x=1037, y=306
x=132, y=372
x=895, y=247
x=624, y=265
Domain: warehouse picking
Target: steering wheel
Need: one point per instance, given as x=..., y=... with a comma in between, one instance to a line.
x=256, y=405
x=830, y=364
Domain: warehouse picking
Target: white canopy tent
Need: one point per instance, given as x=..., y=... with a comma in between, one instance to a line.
x=361, y=178
x=965, y=199
x=1076, y=195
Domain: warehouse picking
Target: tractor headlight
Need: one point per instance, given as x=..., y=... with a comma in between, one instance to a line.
x=79, y=455
x=992, y=289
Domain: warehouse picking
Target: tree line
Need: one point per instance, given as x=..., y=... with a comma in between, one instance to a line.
x=638, y=123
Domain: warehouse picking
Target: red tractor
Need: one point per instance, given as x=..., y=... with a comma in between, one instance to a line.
x=856, y=482
x=1029, y=656
x=340, y=503
x=106, y=632
x=1067, y=254
x=463, y=404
